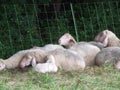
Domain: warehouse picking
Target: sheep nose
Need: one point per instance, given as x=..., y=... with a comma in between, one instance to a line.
x=59, y=41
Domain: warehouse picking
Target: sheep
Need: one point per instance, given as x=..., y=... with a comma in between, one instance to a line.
x=18, y=59
x=108, y=38
x=67, y=40
x=13, y=61
x=48, y=66
x=39, y=56
x=108, y=55
x=67, y=60
x=85, y=49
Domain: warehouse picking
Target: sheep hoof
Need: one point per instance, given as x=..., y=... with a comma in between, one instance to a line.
x=2, y=66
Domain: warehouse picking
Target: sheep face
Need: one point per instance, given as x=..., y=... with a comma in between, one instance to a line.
x=66, y=40
x=103, y=37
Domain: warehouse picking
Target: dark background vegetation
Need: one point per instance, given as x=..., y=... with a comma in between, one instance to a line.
x=28, y=23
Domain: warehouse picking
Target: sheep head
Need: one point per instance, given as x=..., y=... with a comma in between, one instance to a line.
x=66, y=40
x=108, y=38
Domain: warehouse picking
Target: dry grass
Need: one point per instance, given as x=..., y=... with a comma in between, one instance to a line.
x=94, y=78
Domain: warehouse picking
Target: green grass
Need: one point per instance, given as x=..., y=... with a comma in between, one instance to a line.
x=94, y=78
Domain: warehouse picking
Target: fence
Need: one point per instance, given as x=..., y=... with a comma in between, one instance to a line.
x=25, y=25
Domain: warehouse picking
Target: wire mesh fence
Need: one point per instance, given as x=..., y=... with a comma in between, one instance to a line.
x=25, y=25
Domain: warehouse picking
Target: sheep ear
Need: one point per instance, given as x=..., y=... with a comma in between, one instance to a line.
x=33, y=62
x=105, y=41
x=71, y=41
x=100, y=37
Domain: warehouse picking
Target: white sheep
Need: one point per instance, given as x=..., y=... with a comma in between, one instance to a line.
x=108, y=55
x=65, y=59
x=108, y=38
x=18, y=58
x=85, y=49
x=67, y=40
x=39, y=55
x=48, y=66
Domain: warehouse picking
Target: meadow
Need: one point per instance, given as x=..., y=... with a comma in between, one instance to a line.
x=30, y=23
x=93, y=78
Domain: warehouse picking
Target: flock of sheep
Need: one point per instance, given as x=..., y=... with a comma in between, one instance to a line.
x=76, y=56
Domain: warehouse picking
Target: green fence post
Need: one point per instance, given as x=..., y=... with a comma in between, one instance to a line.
x=18, y=26
x=66, y=17
x=48, y=25
x=82, y=18
x=28, y=25
x=8, y=25
x=56, y=18
x=98, y=17
x=37, y=20
x=91, y=22
x=112, y=17
x=74, y=21
x=105, y=20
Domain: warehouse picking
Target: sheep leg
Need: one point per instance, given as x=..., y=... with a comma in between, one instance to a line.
x=2, y=65
x=117, y=65
x=50, y=59
x=48, y=66
x=26, y=61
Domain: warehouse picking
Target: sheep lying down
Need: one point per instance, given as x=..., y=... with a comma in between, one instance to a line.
x=76, y=58
x=39, y=56
x=87, y=50
x=65, y=59
x=107, y=38
x=109, y=55
x=24, y=55
x=81, y=50
x=48, y=66
x=13, y=61
x=67, y=40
